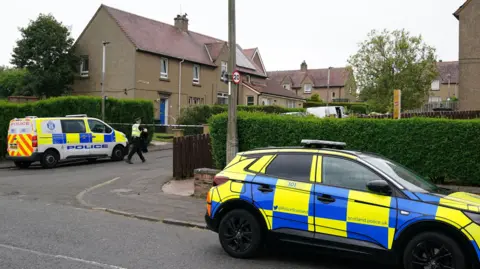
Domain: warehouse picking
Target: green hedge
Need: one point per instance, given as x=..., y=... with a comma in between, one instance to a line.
x=116, y=111
x=199, y=114
x=436, y=148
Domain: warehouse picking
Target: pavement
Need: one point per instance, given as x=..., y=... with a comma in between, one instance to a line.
x=34, y=234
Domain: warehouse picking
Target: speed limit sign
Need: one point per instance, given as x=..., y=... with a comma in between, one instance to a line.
x=236, y=77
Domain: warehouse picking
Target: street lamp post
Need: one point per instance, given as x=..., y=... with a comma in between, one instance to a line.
x=232, y=140
x=105, y=43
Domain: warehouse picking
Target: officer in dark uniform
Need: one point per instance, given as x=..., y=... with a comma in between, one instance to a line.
x=136, y=142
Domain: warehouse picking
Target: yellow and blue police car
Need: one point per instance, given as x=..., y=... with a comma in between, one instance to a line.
x=359, y=203
x=50, y=140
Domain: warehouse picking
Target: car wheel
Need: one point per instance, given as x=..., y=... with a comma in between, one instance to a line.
x=433, y=250
x=50, y=159
x=23, y=165
x=118, y=153
x=240, y=234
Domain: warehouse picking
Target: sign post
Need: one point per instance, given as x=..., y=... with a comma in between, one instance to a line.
x=397, y=104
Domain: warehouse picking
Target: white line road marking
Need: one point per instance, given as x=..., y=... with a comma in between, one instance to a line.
x=102, y=265
x=82, y=193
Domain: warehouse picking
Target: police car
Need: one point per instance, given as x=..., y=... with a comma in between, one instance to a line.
x=359, y=203
x=49, y=140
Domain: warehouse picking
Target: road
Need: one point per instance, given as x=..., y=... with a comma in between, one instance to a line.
x=42, y=226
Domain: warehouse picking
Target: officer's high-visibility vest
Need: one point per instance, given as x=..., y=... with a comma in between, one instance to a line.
x=135, y=130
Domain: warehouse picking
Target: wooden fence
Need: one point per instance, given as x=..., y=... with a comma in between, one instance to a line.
x=457, y=115
x=191, y=152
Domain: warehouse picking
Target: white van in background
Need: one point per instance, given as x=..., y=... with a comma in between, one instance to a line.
x=327, y=111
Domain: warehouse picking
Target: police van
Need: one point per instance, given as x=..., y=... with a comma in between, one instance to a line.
x=50, y=140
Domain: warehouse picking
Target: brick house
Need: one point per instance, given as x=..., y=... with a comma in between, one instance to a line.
x=468, y=16
x=168, y=64
x=305, y=82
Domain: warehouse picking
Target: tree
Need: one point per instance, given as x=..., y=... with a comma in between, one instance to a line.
x=394, y=60
x=13, y=81
x=46, y=51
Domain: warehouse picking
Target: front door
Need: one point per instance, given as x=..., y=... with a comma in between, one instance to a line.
x=345, y=208
x=163, y=111
x=282, y=190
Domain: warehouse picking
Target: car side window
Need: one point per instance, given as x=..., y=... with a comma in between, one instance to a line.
x=98, y=127
x=73, y=126
x=347, y=174
x=291, y=166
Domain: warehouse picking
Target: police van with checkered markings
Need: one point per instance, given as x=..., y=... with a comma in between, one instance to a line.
x=347, y=201
x=50, y=140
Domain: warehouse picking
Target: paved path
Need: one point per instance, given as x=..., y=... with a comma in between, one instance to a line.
x=34, y=235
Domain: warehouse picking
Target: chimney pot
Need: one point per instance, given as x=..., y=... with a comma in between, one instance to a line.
x=181, y=22
x=303, y=66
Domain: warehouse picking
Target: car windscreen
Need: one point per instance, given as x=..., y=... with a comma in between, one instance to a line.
x=404, y=176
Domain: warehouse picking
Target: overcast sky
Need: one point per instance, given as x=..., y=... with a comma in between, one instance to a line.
x=322, y=32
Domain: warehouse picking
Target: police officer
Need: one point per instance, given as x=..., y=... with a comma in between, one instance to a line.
x=136, y=142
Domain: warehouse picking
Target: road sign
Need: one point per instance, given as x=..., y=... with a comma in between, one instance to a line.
x=397, y=104
x=236, y=77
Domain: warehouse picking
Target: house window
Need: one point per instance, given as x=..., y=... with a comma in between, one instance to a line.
x=195, y=101
x=287, y=86
x=290, y=103
x=222, y=98
x=307, y=88
x=267, y=102
x=224, y=70
x=250, y=101
x=164, y=68
x=196, y=73
x=84, y=66
x=434, y=99
x=436, y=85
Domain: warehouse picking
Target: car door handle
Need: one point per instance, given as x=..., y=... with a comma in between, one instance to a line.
x=265, y=189
x=325, y=199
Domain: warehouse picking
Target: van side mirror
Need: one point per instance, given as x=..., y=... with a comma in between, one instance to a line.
x=379, y=187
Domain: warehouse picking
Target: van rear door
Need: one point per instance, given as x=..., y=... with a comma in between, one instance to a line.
x=21, y=138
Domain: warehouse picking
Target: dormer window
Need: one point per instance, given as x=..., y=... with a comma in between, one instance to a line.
x=307, y=88
x=287, y=86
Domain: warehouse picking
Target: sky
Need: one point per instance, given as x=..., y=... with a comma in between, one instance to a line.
x=322, y=32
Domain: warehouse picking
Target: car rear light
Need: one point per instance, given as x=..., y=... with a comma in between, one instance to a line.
x=219, y=180
x=34, y=141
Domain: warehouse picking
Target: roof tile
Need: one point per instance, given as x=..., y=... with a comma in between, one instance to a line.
x=338, y=77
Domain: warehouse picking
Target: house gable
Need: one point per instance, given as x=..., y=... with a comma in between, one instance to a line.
x=461, y=8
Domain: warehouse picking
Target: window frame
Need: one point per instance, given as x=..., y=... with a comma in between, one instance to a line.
x=62, y=121
x=222, y=95
x=396, y=192
x=275, y=155
x=164, y=74
x=291, y=104
x=196, y=80
x=287, y=86
x=83, y=59
x=305, y=88
x=106, y=126
x=435, y=82
x=253, y=100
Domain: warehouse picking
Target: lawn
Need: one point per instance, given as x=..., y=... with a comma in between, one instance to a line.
x=162, y=137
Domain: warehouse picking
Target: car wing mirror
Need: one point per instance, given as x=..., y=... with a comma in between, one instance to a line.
x=379, y=187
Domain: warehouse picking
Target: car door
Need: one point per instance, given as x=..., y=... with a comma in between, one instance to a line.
x=103, y=138
x=75, y=137
x=345, y=208
x=282, y=190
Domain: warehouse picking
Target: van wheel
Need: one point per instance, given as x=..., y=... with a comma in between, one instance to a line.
x=433, y=250
x=118, y=153
x=50, y=159
x=240, y=234
x=23, y=165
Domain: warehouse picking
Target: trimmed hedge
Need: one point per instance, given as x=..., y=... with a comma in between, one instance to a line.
x=435, y=148
x=199, y=114
x=116, y=111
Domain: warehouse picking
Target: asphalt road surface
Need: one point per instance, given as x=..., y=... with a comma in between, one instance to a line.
x=42, y=226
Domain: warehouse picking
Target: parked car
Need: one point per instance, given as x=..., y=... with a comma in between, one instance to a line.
x=321, y=195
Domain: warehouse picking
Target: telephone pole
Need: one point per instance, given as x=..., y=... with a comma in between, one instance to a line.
x=232, y=139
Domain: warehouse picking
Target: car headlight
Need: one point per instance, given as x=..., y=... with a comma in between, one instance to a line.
x=475, y=217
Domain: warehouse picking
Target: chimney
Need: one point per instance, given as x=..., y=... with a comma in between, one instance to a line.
x=181, y=22
x=303, y=66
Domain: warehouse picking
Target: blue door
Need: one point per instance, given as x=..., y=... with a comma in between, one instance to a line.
x=162, y=110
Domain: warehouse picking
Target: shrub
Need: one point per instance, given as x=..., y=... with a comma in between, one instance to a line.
x=116, y=111
x=435, y=148
x=358, y=109
x=198, y=115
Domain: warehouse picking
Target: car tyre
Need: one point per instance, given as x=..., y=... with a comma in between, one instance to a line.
x=50, y=159
x=240, y=234
x=118, y=153
x=23, y=165
x=433, y=250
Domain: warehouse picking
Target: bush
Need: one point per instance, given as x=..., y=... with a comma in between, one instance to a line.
x=435, y=148
x=198, y=115
x=358, y=109
x=116, y=111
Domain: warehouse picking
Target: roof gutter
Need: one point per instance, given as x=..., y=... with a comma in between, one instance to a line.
x=180, y=88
